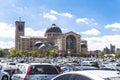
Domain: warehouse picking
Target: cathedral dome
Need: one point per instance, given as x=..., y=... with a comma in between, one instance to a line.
x=53, y=28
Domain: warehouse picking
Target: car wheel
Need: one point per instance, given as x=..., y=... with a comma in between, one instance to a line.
x=5, y=77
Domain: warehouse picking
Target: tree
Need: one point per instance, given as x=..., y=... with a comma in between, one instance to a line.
x=12, y=52
x=101, y=54
x=34, y=53
x=25, y=53
x=1, y=52
x=79, y=54
x=15, y=53
x=117, y=54
x=18, y=53
x=50, y=52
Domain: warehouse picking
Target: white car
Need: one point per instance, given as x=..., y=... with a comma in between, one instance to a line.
x=4, y=75
x=89, y=75
x=35, y=71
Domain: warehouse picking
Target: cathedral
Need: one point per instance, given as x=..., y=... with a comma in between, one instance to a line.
x=65, y=43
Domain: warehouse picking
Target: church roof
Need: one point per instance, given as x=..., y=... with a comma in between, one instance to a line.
x=53, y=28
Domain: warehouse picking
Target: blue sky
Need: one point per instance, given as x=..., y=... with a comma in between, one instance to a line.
x=97, y=21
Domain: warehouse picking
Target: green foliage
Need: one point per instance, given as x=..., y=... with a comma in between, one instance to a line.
x=25, y=53
x=101, y=54
x=18, y=53
x=50, y=52
x=13, y=53
x=117, y=54
x=79, y=54
x=1, y=52
x=34, y=53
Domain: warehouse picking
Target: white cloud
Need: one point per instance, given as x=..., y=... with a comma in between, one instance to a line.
x=82, y=20
x=114, y=25
x=87, y=21
x=54, y=12
x=7, y=45
x=49, y=16
x=54, y=15
x=7, y=30
x=91, y=32
x=116, y=30
x=36, y=33
x=64, y=29
x=61, y=14
x=7, y=34
x=67, y=15
x=98, y=43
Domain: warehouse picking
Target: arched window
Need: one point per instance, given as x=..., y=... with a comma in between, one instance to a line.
x=71, y=43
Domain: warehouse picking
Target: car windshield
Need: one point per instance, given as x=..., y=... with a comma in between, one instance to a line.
x=43, y=69
x=113, y=78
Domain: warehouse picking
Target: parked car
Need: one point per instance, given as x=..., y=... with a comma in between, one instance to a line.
x=35, y=71
x=89, y=75
x=90, y=63
x=10, y=71
x=4, y=75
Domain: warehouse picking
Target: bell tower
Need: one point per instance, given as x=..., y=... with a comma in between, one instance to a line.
x=19, y=31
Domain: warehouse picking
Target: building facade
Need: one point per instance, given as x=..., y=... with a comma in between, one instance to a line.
x=65, y=43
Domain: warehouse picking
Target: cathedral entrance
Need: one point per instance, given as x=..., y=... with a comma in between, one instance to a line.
x=70, y=44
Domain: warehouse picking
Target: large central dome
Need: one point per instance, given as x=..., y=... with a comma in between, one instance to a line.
x=53, y=28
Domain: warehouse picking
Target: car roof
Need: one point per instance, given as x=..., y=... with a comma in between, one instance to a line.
x=100, y=73
x=96, y=74
x=35, y=64
x=40, y=64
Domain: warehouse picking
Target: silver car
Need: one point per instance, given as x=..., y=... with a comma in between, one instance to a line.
x=35, y=71
x=4, y=75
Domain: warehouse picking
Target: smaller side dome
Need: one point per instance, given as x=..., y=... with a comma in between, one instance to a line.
x=53, y=28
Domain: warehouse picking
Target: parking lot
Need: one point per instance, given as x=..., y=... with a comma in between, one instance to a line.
x=29, y=68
